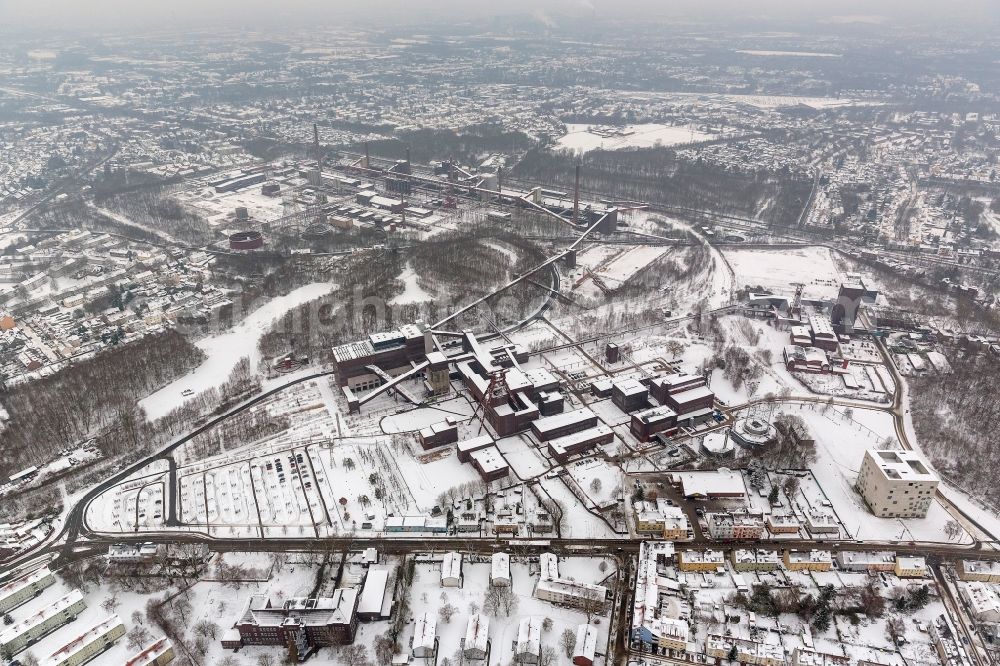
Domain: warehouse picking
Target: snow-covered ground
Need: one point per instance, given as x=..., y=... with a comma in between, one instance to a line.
x=413, y=292
x=840, y=447
x=581, y=137
x=779, y=270
x=225, y=350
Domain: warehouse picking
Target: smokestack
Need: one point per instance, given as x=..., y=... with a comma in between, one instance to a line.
x=368, y=159
x=319, y=163
x=576, y=197
x=407, y=157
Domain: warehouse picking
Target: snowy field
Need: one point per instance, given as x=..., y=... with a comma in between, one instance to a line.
x=779, y=269
x=840, y=447
x=794, y=54
x=582, y=138
x=225, y=350
x=412, y=292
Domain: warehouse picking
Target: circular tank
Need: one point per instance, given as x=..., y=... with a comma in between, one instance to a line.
x=246, y=240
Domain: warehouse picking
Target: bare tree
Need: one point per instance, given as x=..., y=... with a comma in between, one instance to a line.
x=355, y=655
x=137, y=636
x=207, y=628
x=110, y=603
x=895, y=629
x=568, y=641
x=446, y=612
x=384, y=648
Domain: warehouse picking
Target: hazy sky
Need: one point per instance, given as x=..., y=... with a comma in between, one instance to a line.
x=153, y=14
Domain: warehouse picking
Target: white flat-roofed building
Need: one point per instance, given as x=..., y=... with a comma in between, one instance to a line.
x=981, y=570
x=19, y=636
x=528, y=647
x=748, y=651
x=896, y=484
x=821, y=521
x=910, y=567
x=424, y=635
x=500, y=570
x=159, y=653
x=713, y=485
x=129, y=553
x=548, y=565
x=451, y=570
x=87, y=645
x=802, y=656
x=808, y=560
x=983, y=600
x=571, y=593
x=477, y=636
x=18, y=591
x=373, y=592
x=850, y=560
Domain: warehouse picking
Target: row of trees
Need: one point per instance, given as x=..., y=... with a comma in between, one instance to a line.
x=659, y=175
x=97, y=395
x=956, y=417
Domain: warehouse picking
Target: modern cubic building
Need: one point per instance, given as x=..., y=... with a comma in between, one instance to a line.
x=896, y=484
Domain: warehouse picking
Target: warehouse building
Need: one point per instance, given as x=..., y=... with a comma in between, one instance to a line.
x=490, y=464
x=652, y=421
x=563, y=447
x=451, y=570
x=375, y=604
x=560, y=425
x=467, y=447
x=500, y=570
x=424, y=636
x=629, y=394
x=694, y=403
x=439, y=434
x=661, y=387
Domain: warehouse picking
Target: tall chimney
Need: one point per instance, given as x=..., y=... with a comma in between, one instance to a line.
x=319, y=162
x=368, y=159
x=576, y=197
